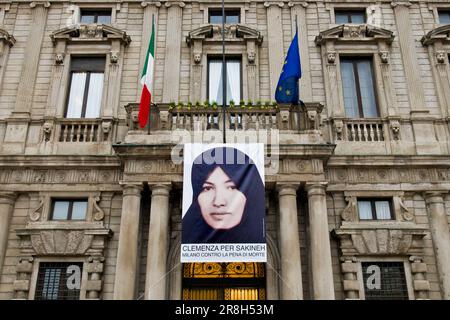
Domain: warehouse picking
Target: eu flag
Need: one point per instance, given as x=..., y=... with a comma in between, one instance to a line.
x=287, y=87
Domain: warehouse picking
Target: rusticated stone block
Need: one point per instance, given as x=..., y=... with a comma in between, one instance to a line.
x=21, y=285
x=421, y=285
x=418, y=267
x=94, y=285
x=351, y=285
x=349, y=267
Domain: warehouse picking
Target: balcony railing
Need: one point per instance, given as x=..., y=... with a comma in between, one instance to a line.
x=360, y=130
x=281, y=117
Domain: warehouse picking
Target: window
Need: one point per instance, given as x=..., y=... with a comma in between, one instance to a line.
x=374, y=209
x=358, y=86
x=233, y=79
x=70, y=209
x=59, y=281
x=350, y=16
x=444, y=16
x=86, y=87
x=95, y=16
x=231, y=16
x=384, y=281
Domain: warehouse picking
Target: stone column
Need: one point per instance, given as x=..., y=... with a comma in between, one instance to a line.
x=173, y=51
x=275, y=43
x=291, y=268
x=322, y=272
x=7, y=200
x=124, y=284
x=440, y=234
x=158, y=244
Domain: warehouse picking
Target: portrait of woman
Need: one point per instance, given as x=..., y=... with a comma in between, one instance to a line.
x=228, y=203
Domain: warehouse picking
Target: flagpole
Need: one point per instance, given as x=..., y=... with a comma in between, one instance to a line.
x=149, y=107
x=224, y=86
x=300, y=102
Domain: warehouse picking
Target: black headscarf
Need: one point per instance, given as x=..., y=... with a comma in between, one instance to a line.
x=244, y=173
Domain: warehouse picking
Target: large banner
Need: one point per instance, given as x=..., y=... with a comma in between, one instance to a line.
x=223, y=203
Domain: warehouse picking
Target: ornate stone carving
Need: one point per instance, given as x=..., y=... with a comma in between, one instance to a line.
x=64, y=242
x=440, y=56
x=35, y=215
x=395, y=129
x=21, y=285
x=91, y=31
x=331, y=57
x=197, y=57
x=59, y=57
x=47, y=129
x=350, y=212
x=338, y=129
x=384, y=56
x=354, y=31
x=98, y=213
x=407, y=215
x=381, y=241
x=114, y=57
x=251, y=57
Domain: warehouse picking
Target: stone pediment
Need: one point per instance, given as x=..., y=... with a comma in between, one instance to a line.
x=90, y=32
x=233, y=33
x=439, y=34
x=5, y=37
x=355, y=32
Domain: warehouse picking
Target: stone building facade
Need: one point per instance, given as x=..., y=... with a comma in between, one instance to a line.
x=363, y=170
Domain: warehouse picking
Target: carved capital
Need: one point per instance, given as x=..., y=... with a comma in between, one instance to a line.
x=197, y=57
x=168, y=4
x=338, y=126
x=34, y=4
x=293, y=4
x=406, y=4
x=152, y=3
x=267, y=4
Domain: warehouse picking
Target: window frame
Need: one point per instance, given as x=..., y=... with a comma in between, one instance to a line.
x=355, y=59
x=440, y=10
x=70, y=209
x=227, y=59
x=227, y=11
x=349, y=12
x=86, y=85
x=406, y=266
x=372, y=201
x=96, y=11
x=35, y=273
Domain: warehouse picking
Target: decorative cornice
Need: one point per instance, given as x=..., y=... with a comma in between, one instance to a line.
x=441, y=34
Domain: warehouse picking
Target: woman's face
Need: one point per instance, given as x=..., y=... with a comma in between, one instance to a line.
x=220, y=201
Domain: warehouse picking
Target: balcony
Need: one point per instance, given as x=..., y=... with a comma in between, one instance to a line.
x=298, y=124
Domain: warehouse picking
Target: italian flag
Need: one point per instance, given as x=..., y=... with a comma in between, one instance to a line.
x=146, y=81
